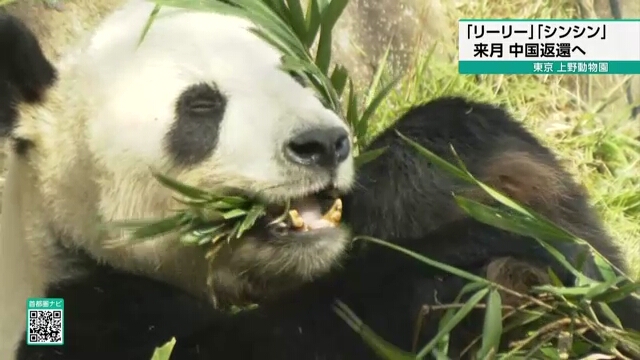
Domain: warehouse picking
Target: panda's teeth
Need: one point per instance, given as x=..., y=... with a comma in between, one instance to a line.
x=297, y=222
x=331, y=218
x=334, y=214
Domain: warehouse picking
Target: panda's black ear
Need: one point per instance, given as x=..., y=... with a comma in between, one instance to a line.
x=25, y=72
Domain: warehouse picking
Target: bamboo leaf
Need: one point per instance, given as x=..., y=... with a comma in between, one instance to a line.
x=291, y=63
x=296, y=18
x=606, y=310
x=519, y=224
x=506, y=220
x=186, y=190
x=363, y=123
x=330, y=16
x=314, y=17
x=370, y=155
x=278, y=38
x=580, y=277
x=234, y=200
x=606, y=271
x=331, y=12
x=352, y=110
x=204, y=239
x=618, y=294
x=235, y=231
x=275, y=42
x=524, y=319
x=190, y=238
x=459, y=316
x=323, y=4
x=278, y=7
x=191, y=203
x=339, y=79
x=440, y=355
x=468, y=288
x=255, y=11
x=555, y=280
x=201, y=236
x=550, y=353
x=550, y=228
x=581, y=259
x=438, y=265
x=377, y=77
x=256, y=211
x=259, y=12
x=443, y=344
x=515, y=206
x=492, y=329
x=330, y=97
x=152, y=17
x=574, y=292
x=323, y=85
x=323, y=53
x=159, y=227
x=319, y=81
x=217, y=237
x=164, y=352
x=379, y=345
x=234, y=213
x=602, y=287
x=435, y=159
x=210, y=214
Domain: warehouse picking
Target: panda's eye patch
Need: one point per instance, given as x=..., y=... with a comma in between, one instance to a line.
x=194, y=134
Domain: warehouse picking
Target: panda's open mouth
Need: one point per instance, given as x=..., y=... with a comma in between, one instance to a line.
x=314, y=212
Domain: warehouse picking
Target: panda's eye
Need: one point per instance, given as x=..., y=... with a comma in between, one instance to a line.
x=201, y=99
x=204, y=105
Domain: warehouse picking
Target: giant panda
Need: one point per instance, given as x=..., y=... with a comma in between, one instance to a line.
x=82, y=160
x=205, y=100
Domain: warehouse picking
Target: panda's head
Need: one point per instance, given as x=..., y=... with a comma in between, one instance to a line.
x=205, y=101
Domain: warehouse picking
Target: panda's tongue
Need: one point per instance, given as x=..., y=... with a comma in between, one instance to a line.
x=306, y=214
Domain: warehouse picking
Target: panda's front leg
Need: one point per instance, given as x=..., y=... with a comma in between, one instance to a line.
x=113, y=315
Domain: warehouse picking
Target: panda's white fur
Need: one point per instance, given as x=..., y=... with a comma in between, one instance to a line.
x=101, y=130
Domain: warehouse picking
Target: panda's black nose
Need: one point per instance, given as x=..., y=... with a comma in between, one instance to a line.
x=325, y=147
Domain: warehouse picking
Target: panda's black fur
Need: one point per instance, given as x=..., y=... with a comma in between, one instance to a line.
x=25, y=73
x=399, y=197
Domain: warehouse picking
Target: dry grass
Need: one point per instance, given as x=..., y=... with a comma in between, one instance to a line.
x=585, y=119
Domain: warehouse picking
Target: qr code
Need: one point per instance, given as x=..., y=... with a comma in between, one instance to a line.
x=45, y=327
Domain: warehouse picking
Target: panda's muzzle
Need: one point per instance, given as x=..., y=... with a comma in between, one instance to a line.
x=318, y=211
